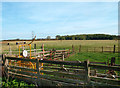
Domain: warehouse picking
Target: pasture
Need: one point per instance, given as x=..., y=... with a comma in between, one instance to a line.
x=60, y=44
x=67, y=44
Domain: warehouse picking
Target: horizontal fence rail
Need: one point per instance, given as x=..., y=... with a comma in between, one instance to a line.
x=105, y=67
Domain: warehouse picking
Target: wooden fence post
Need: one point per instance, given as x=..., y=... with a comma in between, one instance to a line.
x=50, y=54
x=63, y=55
x=34, y=49
x=43, y=49
x=73, y=49
x=114, y=49
x=3, y=59
x=79, y=48
x=112, y=61
x=54, y=51
x=6, y=68
x=87, y=72
x=10, y=52
x=38, y=72
x=112, y=64
x=102, y=48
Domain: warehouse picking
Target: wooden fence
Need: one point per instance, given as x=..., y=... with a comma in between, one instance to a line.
x=81, y=48
x=58, y=53
x=61, y=73
x=51, y=54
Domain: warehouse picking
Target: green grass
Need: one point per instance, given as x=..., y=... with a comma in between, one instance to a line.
x=93, y=57
x=12, y=83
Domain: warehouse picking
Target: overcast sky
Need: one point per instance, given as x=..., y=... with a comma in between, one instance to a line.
x=19, y=19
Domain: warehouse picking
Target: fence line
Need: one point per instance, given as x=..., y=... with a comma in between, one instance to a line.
x=81, y=48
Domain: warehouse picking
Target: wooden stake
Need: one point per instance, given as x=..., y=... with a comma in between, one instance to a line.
x=114, y=49
x=87, y=72
x=10, y=52
x=112, y=61
x=38, y=71
x=73, y=49
x=50, y=54
x=63, y=58
x=43, y=49
x=102, y=48
x=34, y=49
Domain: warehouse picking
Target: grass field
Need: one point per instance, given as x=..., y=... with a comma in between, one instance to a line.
x=67, y=44
x=60, y=44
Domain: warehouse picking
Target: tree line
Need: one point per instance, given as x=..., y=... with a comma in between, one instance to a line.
x=75, y=37
x=87, y=37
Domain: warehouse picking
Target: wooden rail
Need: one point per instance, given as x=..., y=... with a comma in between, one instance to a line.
x=105, y=67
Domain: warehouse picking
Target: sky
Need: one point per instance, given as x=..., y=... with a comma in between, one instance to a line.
x=19, y=19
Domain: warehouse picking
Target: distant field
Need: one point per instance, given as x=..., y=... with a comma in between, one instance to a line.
x=61, y=44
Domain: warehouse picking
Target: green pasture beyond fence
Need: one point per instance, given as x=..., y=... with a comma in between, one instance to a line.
x=62, y=73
